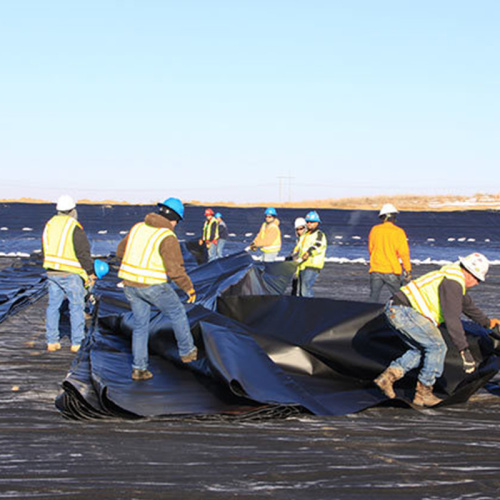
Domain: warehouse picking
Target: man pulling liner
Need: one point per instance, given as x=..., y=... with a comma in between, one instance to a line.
x=419, y=308
x=151, y=256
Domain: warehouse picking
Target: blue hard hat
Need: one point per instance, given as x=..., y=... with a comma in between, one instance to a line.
x=101, y=268
x=174, y=204
x=271, y=211
x=218, y=215
x=313, y=216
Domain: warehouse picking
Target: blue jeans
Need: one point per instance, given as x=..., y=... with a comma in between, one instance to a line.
x=212, y=252
x=220, y=247
x=421, y=335
x=167, y=301
x=378, y=280
x=307, y=278
x=71, y=287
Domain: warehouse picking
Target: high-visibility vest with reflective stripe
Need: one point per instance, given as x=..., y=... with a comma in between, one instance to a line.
x=58, y=249
x=423, y=293
x=142, y=262
x=207, y=229
x=316, y=259
x=275, y=246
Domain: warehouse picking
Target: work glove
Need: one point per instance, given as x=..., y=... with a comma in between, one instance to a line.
x=91, y=281
x=468, y=361
x=406, y=277
x=305, y=256
x=253, y=247
x=191, y=296
x=200, y=242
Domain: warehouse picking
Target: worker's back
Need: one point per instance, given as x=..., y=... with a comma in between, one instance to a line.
x=387, y=244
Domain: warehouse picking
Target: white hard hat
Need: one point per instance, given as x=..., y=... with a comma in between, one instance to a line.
x=387, y=209
x=65, y=203
x=477, y=264
x=300, y=222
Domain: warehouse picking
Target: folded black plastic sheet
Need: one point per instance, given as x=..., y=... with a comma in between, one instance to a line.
x=20, y=286
x=258, y=353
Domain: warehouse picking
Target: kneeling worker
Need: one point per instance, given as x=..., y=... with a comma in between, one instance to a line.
x=419, y=308
x=312, y=248
x=151, y=256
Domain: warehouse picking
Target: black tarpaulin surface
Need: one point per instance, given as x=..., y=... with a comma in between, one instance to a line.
x=386, y=452
x=256, y=350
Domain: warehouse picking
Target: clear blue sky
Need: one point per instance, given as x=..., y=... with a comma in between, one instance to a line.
x=218, y=99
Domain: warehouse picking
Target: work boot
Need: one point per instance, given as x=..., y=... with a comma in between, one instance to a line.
x=53, y=347
x=190, y=356
x=424, y=396
x=141, y=374
x=386, y=380
x=75, y=347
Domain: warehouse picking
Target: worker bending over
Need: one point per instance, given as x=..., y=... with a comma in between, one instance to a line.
x=151, y=257
x=388, y=247
x=417, y=310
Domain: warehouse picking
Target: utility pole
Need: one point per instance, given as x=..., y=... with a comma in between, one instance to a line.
x=288, y=178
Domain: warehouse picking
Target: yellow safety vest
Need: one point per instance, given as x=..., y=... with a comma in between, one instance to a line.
x=316, y=259
x=423, y=293
x=298, y=250
x=207, y=229
x=58, y=249
x=142, y=262
x=275, y=246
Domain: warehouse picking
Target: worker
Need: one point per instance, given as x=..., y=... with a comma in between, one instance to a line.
x=268, y=239
x=70, y=270
x=417, y=310
x=210, y=234
x=223, y=235
x=311, y=255
x=388, y=247
x=300, y=232
x=151, y=258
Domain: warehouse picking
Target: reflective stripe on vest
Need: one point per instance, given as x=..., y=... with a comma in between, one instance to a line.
x=58, y=249
x=142, y=262
x=316, y=258
x=275, y=246
x=207, y=229
x=423, y=293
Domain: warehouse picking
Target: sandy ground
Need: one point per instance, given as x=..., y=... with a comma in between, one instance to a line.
x=382, y=453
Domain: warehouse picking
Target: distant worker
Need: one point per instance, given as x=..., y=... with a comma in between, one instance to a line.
x=268, y=239
x=388, y=246
x=210, y=234
x=151, y=257
x=311, y=250
x=300, y=232
x=223, y=235
x=70, y=270
x=418, y=309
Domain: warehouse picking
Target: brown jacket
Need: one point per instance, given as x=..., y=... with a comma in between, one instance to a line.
x=267, y=237
x=170, y=251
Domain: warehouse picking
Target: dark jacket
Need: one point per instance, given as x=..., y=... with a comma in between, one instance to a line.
x=453, y=304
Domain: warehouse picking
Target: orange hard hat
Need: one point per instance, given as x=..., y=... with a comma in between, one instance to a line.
x=208, y=212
